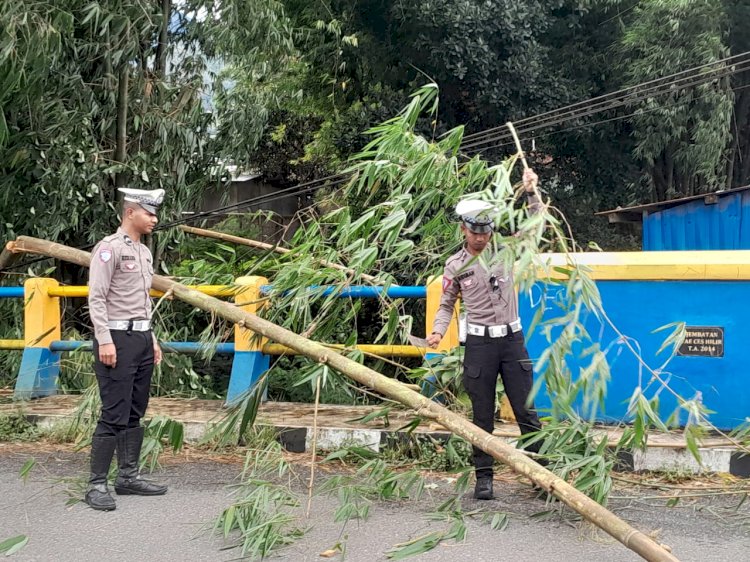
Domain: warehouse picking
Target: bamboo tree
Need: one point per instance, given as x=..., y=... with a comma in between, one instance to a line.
x=160, y=61
x=424, y=407
x=121, y=147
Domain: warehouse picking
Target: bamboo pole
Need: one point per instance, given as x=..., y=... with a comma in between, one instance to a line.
x=8, y=257
x=519, y=150
x=264, y=246
x=633, y=539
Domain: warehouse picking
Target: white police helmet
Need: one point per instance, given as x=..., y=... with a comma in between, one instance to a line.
x=476, y=215
x=149, y=200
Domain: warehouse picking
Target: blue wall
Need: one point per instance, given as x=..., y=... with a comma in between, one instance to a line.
x=639, y=307
x=697, y=226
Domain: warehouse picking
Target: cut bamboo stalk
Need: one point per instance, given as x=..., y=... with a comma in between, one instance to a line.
x=8, y=257
x=519, y=150
x=265, y=246
x=633, y=539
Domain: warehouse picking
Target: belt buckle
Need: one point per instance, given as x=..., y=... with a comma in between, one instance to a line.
x=498, y=331
x=476, y=330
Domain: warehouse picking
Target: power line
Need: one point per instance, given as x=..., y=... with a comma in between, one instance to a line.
x=614, y=104
x=607, y=105
x=506, y=139
x=618, y=118
x=592, y=106
x=619, y=93
x=334, y=179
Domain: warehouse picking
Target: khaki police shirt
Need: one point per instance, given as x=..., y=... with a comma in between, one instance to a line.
x=465, y=276
x=119, y=281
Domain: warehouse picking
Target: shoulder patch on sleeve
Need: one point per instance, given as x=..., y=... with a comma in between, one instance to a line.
x=447, y=282
x=105, y=254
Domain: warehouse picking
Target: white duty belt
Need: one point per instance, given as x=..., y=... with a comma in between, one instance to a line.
x=495, y=331
x=130, y=325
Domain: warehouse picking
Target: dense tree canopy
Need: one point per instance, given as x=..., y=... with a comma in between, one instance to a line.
x=96, y=94
x=356, y=61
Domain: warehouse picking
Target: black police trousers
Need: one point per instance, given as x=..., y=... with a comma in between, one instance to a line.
x=124, y=388
x=485, y=358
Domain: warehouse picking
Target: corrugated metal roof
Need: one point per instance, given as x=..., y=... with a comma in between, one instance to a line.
x=708, y=198
x=694, y=225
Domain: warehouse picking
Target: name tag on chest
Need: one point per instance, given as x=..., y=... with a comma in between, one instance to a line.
x=128, y=263
x=466, y=278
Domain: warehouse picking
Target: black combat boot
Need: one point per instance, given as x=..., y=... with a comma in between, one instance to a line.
x=129, y=481
x=97, y=495
x=483, y=489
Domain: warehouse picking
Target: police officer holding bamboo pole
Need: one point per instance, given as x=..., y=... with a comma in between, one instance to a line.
x=125, y=349
x=494, y=342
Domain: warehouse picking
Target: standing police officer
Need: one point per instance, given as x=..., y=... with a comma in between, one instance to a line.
x=494, y=342
x=125, y=349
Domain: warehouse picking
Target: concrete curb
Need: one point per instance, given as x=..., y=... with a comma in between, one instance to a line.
x=726, y=460
x=298, y=439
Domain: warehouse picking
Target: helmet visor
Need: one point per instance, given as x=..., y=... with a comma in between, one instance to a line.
x=479, y=228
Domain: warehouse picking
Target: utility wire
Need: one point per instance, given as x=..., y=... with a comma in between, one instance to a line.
x=624, y=92
x=618, y=118
x=607, y=105
x=300, y=189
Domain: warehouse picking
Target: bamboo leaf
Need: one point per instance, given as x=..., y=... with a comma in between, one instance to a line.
x=12, y=545
x=420, y=545
x=26, y=469
x=382, y=413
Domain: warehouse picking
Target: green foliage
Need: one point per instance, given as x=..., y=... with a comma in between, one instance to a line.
x=453, y=515
x=577, y=456
x=26, y=469
x=84, y=419
x=261, y=512
x=11, y=327
x=373, y=480
x=239, y=418
x=292, y=380
x=448, y=455
x=682, y=137
x=15, y=427
x=14, y=544
x=484, y=56
x=76, y=367
x=159, y=431
x=64, y=63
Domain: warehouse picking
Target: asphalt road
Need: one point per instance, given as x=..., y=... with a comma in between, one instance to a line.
x=173, y=527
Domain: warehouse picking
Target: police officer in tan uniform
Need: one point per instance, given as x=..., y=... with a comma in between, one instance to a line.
x=494, y=341
x=125, y=349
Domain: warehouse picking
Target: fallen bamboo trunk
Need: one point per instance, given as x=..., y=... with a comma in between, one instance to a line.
x=505, y=453
x=264, y=246
x=8, y=257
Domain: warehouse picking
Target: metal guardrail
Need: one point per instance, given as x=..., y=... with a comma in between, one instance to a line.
x=42, y=344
